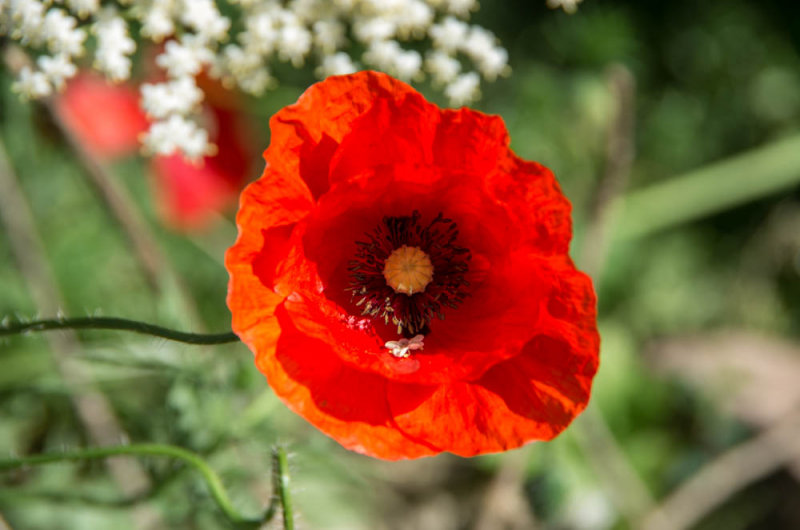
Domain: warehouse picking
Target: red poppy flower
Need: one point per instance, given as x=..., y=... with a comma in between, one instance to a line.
x=403, y=279
x=188, y=195
x=105, y=118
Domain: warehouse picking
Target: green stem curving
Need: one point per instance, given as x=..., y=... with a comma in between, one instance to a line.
x=117, y=324
x=280, y=479
x=209, y=475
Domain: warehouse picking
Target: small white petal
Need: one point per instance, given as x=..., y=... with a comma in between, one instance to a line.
x=337, y=64
x=32, y=84
x=464, y=89
x=403, y=347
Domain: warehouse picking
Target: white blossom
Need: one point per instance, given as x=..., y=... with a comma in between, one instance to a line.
x=32, y=84
x=176, y=133
x=413, y=19
x=180, y=96
x=186, y=57
x=336, y=64
x=57, y=69
x=449, y=35
x=261, y=32
x=329, y=35
x=493, y=62
x=238, y=66
x=461, y=7
x=346, y=6
x=443, y=67
x=463, y=89
x=294, y=43
x=309, y=11
x=27, y=18
x=479, y=42
x=157, y=21
x=204, y=18
x=408, y=64
x=381, y=7
x=114, y=46
x=389, y=56
x=369, y=30
x=256, y=81
x=83, y=8
x=199, y=38
x=60, y=31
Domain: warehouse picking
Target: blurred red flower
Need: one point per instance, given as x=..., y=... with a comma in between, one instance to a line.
x=108, y=121
x=403, y=279
x=189, y=194
x=105, y=118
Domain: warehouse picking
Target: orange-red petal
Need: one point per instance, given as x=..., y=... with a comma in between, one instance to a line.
x=512, y=363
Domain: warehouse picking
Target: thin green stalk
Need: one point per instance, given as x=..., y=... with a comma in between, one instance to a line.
x=280, y=480
x=170, y=451
x=117, y=324
x=713, y=188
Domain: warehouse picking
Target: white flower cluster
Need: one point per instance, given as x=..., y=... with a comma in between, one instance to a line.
x=59, y=34
x=299, y=30
x=50, y=29
x=114, y=46
x=196, y=37
x=169, y=104
x=173, y=104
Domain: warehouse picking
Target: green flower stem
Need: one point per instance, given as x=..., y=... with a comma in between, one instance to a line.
x=118, y=324
x=209, y=475
x=737, y=180
x=280, y=479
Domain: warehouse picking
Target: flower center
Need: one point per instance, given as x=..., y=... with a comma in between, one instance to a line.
x=408, y=270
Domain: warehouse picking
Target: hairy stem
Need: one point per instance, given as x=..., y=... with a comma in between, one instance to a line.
x=211, y=478
x=280, y=478
x=118, y=324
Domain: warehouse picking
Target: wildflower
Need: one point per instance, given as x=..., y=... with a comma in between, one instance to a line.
x=188, y=194
x=176, y=133
x=32, y=84
x=57, y=69
x=180, y=96
x=114, y=46
x=403, y=278
x=463, y=89
x=450, y=34
x=195, y=37
x=336, y=64
x=61, y=33
x=108, y=134
x=442, y=67
x=184, y=58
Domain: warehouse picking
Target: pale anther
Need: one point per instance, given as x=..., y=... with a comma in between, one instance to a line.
x=403, y=347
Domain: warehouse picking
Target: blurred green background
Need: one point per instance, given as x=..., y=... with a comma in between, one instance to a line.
x=673, y=127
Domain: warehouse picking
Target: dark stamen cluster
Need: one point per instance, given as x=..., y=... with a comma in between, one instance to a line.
x=410, y=313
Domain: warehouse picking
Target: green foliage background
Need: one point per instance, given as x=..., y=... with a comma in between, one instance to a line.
x=715, y=255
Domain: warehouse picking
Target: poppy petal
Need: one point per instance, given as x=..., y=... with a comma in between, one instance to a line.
x=533, y=396
x=361, y=165
x=306, y=135
x=344, y=403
